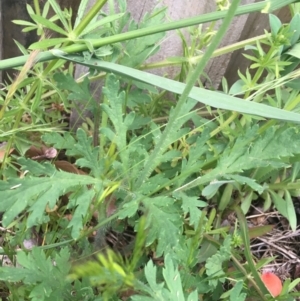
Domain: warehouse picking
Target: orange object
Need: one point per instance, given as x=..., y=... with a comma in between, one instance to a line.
x=272, y=283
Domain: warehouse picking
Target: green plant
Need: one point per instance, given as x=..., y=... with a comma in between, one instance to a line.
x=173, y=183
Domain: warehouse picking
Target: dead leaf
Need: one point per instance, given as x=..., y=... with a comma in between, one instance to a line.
x=68, y=167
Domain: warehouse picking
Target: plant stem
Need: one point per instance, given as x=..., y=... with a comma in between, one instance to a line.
x=89, y=16
x=224, y=124
x=260, y=288
x=37, y=7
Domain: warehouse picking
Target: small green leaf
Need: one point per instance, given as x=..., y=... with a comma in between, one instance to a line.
x=61, y=15
x=98, y=23
x=213, y=187
x=275, y=24
x=48, y=24
x=295, y=51
x=226, y=197
x=138, y=122
x=295, y=171
x=24, y=23
x=47, y=43
x=37, y=98
x=27, y=29
x=79, y=92
x=247, y=181
x=150, y=274
x=246, y=202
x=29, y=9
x=295, y=29
x=193, y=296
x=114, y=110
x=140, y=49
x=279, y=203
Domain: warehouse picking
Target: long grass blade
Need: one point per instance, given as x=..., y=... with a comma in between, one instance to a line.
x=211, y=98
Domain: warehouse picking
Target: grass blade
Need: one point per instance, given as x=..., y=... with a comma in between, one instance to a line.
x=211, y=98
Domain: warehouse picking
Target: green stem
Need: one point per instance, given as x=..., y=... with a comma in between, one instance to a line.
x=242, y=270
x=244, y=9
x=89, y=17
x=260, y=287
x=37, y=7
x=224, y=124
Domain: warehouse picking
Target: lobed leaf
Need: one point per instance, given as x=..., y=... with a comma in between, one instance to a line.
x=35, y=194
x=65, y=141
x=82, y=200
x=191, y=206
x=213, y=264
x=173, y=280
x=252, y=150
x=164, y=223
x=87, y=153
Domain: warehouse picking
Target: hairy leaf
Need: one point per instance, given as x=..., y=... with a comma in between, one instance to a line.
x=254, y=151
x=138, y=50
x=40, y=272
x=158, y=292
x=59, y=141
x=89, y=155
x=164, y=223
x=213, y=264
x=191, y=205
x=114, y=110
x=79, y=92
x=173, y=280
x=36, y=193
x=82, y=201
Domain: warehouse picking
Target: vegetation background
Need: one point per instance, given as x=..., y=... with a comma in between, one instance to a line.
x=171, y=190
